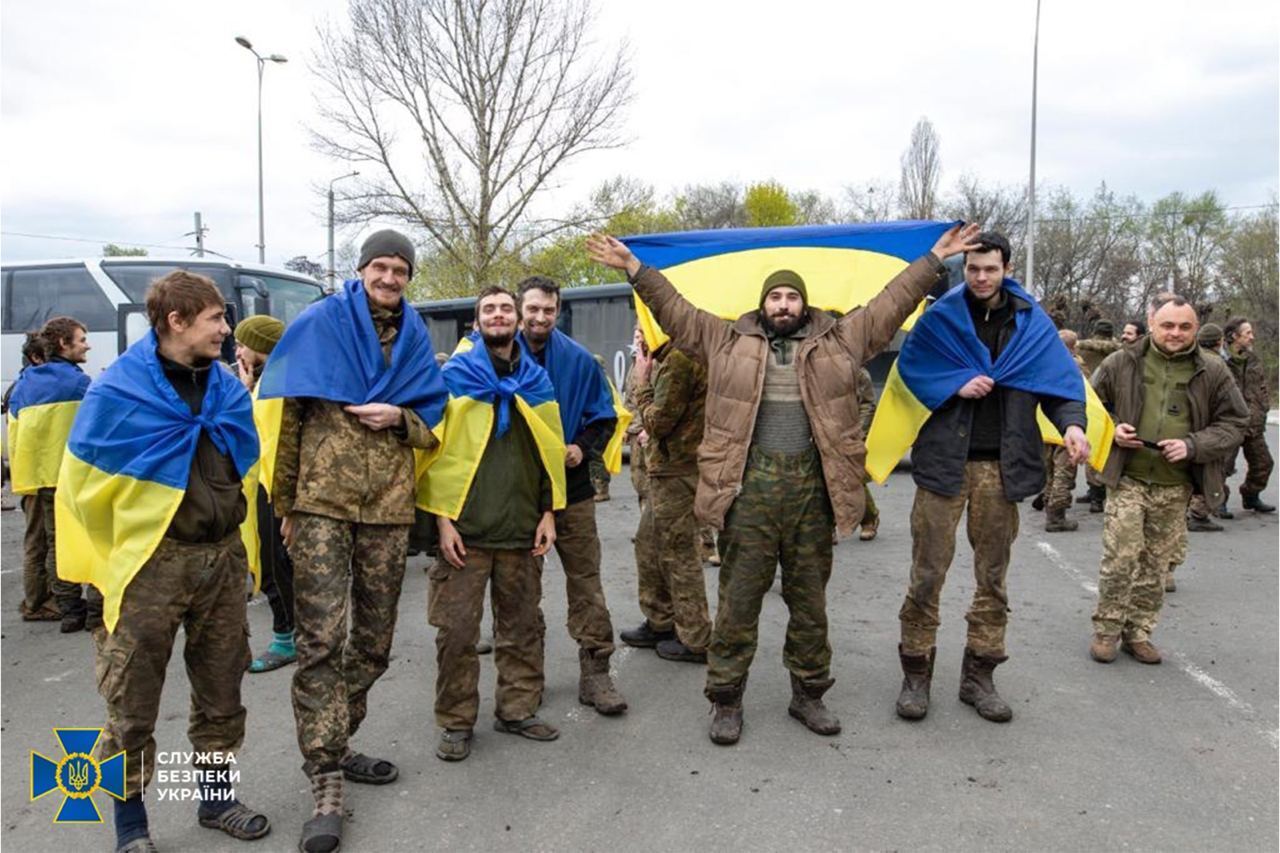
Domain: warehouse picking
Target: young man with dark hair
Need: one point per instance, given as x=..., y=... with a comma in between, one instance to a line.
x=166, y=435
x=495, y=523
x=344, y=486
x=589, y=420
x=1178, y=418
x=980, y=452
x=1251, y=378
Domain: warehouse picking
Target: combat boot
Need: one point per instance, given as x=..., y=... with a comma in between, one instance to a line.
x=1141, y=650
x=1223, y=512
x=1254, y=502
x=645, y=636
x=595, y=687
x=1102, y=648
x=75, y=614
x=917, y=675
x=1097, y=499
x=1056, y=521
x=979, y=690
x=1038, y=503
x=726, y=713
x=807, y=706
x=1202, y=525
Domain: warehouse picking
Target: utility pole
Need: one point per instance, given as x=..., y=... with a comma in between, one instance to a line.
x=199, y=235
x=330, y=273
x=1031, y=198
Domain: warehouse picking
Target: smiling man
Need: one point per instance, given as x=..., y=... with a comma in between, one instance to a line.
x=362, y=391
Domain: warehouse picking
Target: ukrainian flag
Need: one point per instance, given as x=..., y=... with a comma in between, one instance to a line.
x=41, y=410
x=267, y=416
x=720, y=271
x=126, y=467
x=613, y=451
x=943, y=352
x=478, y=399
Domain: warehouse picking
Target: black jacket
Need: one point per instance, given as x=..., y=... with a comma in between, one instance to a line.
x=942, y=447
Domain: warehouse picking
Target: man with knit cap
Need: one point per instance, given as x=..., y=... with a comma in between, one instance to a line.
x=781, y=459
x=361, y=392
x=256, y=337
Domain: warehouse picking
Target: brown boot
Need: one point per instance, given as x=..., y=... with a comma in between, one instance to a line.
x=47, y=612
x=726, y=713
x=1142, y=651
x=1170, y=585
x=869, y=528
x=1056, y=521
x=807, y=707
x=979, y=690
x=917, y=675
x=595, y=687
x=1103, y=648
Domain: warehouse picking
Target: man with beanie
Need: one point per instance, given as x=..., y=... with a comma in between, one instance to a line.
x=255, y=338
x=361, y=392
x=1092, y=351
x=781, y=459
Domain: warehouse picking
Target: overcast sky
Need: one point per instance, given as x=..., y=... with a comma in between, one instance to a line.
x=121, y=119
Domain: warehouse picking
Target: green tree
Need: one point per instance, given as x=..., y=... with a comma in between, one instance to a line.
x=767, y=204
x=1250, y=279
x=111, y=250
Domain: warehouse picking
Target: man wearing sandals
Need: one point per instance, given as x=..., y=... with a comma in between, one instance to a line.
x=361, y=391
x=504, y=527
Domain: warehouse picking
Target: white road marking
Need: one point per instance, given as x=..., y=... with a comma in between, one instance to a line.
x=59, y=676
x=1195, y=673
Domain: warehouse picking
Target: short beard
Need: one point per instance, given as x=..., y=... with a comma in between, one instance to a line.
x=537, y=337
x=782, y=326
x=497, y=340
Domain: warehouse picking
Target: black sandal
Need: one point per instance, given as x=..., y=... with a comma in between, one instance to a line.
x=526, y=727
x=367, y=770
x=321, y=834
x=238, y=822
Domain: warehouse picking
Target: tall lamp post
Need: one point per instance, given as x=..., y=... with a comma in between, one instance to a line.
x=262, y=61
x=330, y=273
x=1031, y=199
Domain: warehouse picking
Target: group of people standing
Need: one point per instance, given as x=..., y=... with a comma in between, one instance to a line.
x=343, y=428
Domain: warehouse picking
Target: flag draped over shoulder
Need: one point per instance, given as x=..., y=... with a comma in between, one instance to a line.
x=267, y=416
x=721, y=271
x=612, y=456
x=331, y=352
x=943, y=352
x=41, y=410
x=582, y=389
x=126, y=467
x=477, y=397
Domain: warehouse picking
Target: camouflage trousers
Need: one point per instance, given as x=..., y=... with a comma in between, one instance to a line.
x=200, y=588
x=1061, y=478
x=870, y=512
x=455, y=604
x=600, y=476
x=40, y=581
x=992, y=525
x=1258, y=462
x=669, y=563
x=782, y=515
x=1198, y=507
x=578, y=546
x=639, y=474
x=343, y=573
x=1143, y=526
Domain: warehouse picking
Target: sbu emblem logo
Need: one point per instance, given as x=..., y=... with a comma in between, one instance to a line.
x=77, y=776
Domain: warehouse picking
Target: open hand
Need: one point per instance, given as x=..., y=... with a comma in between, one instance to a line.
x=611, y=252
x=958, y=238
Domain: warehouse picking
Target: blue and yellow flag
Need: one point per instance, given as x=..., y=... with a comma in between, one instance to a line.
x=126, y=467
x=267, y=416
x=478, y=398
x=943, y=352
x=612, y=456
x=41, y=409
x=720, y=271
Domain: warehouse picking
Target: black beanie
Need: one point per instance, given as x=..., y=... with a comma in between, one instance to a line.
x=784, y=278
x=1103, y=329
x=386, y=244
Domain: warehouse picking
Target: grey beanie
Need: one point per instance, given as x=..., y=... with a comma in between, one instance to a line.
x=386, y=244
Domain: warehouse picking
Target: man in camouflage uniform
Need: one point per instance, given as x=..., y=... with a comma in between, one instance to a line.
x=637, y=438
x=866, y=412
x=344, y=485
x=1092, y=351
x=1199, y=513
x=600, y=476
x=779, y=466
x=1251, y=377
x=671, y=404
x=1060, y=470
x=1178, y=416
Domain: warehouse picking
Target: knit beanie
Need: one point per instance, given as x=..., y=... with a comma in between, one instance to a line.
x=1103, y=329
x=386, y=244
x=784, y=278
x=1210, y=336
x=260, y=333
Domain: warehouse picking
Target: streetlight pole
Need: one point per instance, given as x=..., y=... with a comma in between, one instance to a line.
x=1031, y=199
x=262, y=61
x=330, y=273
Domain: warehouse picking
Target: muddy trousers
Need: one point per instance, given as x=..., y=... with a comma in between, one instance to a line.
x=40, y=580
x=578, y=546
x=200, y=588
x=672, y=587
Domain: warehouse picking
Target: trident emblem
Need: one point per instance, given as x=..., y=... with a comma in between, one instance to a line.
x=77, y=776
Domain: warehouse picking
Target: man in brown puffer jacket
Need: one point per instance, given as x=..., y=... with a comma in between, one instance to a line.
x=782, y=457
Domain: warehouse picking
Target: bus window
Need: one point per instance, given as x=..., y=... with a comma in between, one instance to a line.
x=35, y=294
x=289, y=296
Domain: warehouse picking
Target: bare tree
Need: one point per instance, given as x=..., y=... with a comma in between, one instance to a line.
x=495, y=96
x=994, y=207
x=704, y=206
x=875, y=201
x=921, y=169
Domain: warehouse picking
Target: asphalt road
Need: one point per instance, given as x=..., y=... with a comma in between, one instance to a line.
x=1181, y=756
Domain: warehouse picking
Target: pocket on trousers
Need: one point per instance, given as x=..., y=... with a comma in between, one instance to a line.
x=440, y=570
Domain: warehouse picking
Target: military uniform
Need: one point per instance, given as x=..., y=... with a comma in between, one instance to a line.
x=867, y=412
x=1251, y=377
x=671, y=586
x=1092, y=352
x=350, y=492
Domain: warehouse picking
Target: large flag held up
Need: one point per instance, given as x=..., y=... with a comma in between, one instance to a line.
x=127, y=463
x=721, y=271
x=41, y=410
x=943, y=352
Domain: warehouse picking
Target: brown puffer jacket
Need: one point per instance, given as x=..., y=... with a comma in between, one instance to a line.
x=827, y=361
x=1218, y=414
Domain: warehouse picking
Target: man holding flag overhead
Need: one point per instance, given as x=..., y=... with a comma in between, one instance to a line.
x=975, y=367
x=362, y=391
x=151, y=498
x=781, y=456
x=590, y=419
